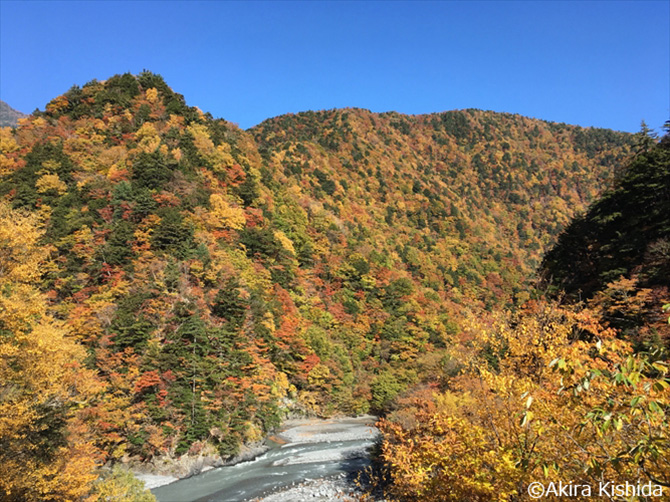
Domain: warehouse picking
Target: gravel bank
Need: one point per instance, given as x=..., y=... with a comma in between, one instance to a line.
x=155, y=480
x=335, y=429
x=318, y=490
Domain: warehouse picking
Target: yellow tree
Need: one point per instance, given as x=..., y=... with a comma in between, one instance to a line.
x=44, y=452
x=545, y=395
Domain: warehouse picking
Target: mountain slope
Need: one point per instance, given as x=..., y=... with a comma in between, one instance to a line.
x=467, y=200
x=322, y=261
x=580, y=388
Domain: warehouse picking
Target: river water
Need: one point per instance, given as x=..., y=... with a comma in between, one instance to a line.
x=304, y=449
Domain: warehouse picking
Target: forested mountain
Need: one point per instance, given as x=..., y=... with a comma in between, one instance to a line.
x=9, y=116
x=206, y=279
x=467, y=201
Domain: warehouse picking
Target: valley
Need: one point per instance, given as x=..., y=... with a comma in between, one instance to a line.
x=174, y=286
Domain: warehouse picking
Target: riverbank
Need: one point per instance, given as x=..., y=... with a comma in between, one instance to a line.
x=319, y=430
x=167, y=470
x=152, y=481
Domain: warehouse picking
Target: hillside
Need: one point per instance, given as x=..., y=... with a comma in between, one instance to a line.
x=211, y=278
x=467, y=201
x=9, y=116
x=577, y=391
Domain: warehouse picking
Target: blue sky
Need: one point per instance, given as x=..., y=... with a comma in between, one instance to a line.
x=602, y=64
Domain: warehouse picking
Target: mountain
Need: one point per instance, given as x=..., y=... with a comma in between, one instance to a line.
x=467, y=201
x=215, y=278
x=9, y=116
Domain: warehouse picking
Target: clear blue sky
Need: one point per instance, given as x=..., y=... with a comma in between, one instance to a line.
x=603, y=64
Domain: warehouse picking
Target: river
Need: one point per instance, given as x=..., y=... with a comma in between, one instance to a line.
x=302, y=450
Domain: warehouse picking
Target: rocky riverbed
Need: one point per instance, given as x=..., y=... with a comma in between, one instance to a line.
x=308, y=459
x=340, y=488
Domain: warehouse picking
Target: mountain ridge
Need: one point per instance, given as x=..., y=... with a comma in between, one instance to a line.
x=428, y=114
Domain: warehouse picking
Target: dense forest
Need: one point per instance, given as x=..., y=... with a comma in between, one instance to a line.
x=575, y=390
x=171, y=284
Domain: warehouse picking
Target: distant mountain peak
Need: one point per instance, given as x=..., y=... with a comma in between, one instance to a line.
x=8, y=115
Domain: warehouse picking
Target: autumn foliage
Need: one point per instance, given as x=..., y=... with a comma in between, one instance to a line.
x=578, y=394
x=45, y=452
x=169, y=281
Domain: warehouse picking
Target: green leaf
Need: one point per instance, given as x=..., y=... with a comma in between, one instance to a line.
x=661, y=367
